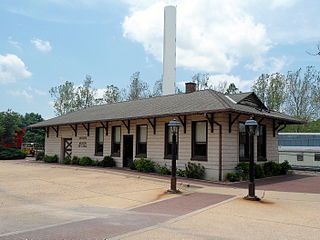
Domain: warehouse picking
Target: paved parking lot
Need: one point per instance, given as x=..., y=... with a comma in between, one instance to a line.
x=45, y=201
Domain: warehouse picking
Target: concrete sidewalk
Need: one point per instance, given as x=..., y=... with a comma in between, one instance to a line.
x=43, y=201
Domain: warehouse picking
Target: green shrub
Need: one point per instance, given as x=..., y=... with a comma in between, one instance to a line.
x=181, y=173
x=271, y=169
x=11, y=153
x=85, y=161
x=284, y=167
x=67, y=160
x=258, y=171
x=233, y=176
x=243, y=170
x=50, y=159
x=39, y=155
x=107, y=161
x=163, y=169
x=131, y=165
x=144, y=165
x=75, y=160
x=194, y=170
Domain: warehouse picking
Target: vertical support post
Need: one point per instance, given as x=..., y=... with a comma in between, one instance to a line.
x=174, y=163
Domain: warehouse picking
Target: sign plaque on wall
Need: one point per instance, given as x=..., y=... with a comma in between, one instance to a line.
x=82, y=144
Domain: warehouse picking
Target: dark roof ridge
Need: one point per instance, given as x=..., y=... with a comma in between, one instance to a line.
x=220, y=99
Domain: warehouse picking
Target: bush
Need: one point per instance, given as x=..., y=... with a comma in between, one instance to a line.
x=162, y=169
x=50, y=159
x=284, y=167
x=107, y=161
x=181, y=173
x=85, y=161
x=144, y=165
x=39, y=155
x=75, y=160
x=271, y=169
x=131, y=165
x=67, y=160
x=258, y=171
x=195, y=170
x=243, y=170
x=233, y=176
x=11, y=153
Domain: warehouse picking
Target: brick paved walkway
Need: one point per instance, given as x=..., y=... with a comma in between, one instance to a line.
x=118, y=224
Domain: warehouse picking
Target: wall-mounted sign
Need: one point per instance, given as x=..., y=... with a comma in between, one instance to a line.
x=82, y=144
x=82, y=138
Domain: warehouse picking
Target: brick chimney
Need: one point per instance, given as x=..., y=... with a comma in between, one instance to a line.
x=191, y=87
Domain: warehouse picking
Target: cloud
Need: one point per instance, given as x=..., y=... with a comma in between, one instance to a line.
x=14, y=43
x=22, y=93
x=12, y=68
x=268, y=64
x=36, y=91
x=282, y=3
x=43, y=46
x=212, y=35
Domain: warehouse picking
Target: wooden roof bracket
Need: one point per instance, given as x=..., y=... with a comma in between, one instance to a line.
x=87, y=128
x=276, y=127
x=56, y=130
x=184, y=122
x=210, y=120
x=75, y=129
x=127, y=125
x=260, y=121
x=232, y=121
x=153, y=124
x=105, y=127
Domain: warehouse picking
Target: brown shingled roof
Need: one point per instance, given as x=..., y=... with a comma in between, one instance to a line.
x=206, y=101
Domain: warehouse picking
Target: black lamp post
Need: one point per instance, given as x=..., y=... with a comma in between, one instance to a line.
x=251, y=126
x=174, y=125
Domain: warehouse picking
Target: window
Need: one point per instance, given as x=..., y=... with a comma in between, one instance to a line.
x=199, y=140
x=262, y=143
x=317, y=156
x=168, y=142
x=99, y=141
x=300, y=157
x=116, y=136
x=243, y=143
x=141, y=146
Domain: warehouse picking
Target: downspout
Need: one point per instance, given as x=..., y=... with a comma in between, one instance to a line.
x=220, y=149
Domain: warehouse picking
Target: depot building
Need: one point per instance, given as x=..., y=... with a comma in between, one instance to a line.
x=212, y=130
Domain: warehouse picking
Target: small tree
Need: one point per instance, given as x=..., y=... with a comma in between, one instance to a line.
x=63, y=98
x=232, y=89
x=112, y=94
x=137, y=89
x=32, y=135
x=9, y=125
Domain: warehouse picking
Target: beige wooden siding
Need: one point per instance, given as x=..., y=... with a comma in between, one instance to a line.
x=155, y=143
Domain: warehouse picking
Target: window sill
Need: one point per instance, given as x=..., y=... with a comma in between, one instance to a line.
x=99, y=154
x=115, y=154
x=169, y=157
x=201, y=159
x=141, y=156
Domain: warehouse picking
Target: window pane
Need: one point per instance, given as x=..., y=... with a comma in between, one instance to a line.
x=317, y=157
x=100, y=137
x=169, y=134
x=299, y=157
x=201, y=133
x=117, y=134
x=143, y=134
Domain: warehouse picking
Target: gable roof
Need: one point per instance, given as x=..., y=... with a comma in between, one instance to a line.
x=249, y=98
x=205, y=101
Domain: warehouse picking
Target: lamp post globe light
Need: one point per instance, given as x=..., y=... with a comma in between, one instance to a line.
x=251, y=126
x=174, y=126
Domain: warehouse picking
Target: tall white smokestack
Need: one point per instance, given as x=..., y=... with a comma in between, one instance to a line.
x=169, y=51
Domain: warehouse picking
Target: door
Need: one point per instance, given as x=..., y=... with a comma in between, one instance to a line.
x=67, y=147
x=127, y=150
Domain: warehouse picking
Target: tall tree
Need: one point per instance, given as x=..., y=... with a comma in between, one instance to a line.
x=63, y=98
x=137, y=89
x=202, y=81
x=157, y=88
x=85, y=95
x=232, y=89
x=271, y=90
x=220, y=86
x=112, y=94
x=300, y=87
x=9, y=125
x=32, y=135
